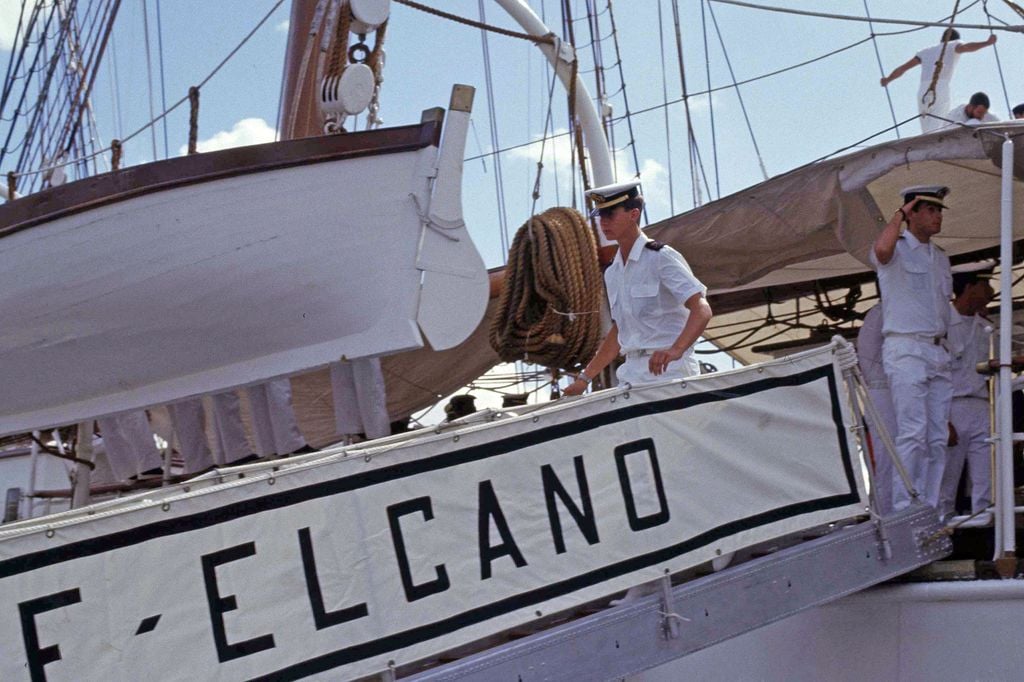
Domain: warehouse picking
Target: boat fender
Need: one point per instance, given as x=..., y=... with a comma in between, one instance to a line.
x=654, y=246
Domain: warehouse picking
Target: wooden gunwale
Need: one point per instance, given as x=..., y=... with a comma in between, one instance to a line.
x=109, y=188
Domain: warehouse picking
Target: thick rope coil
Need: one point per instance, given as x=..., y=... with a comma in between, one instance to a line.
x=553, y=290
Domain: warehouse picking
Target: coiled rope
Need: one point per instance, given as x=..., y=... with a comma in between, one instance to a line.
x=548, y=312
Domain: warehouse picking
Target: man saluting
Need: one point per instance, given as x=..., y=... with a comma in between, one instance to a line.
x=659, y=309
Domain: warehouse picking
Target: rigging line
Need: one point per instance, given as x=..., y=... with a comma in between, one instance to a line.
x=476, y=24
x=14, y=65
x=743, y=108
x=82, y=95
x=163, y=81
x=696, y=162
x=625, y=97
x=177, y=104
x=18, y=111
x=668, y=130
x=149, y=74
x=499, y=184
x=881, y=69
x=846, y=17
x=711, y=104
x=32, y=126
x=114, y=94
x=999, y=64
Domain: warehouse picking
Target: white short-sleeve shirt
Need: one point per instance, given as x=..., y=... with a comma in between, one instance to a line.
x=647, y=295
x=916, y=288
x=958, y=115
x=968, y=345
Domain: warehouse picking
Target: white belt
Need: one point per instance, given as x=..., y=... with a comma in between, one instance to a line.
x=639, y=353
x=924, y=338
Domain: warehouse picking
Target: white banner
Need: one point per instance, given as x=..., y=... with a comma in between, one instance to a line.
x=343, y=566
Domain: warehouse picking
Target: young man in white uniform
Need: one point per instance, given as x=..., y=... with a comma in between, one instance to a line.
x=659, y=309
x=915, y=281
x=974, y=112
x=869, y=356
x=969, y=333
x=949, y=49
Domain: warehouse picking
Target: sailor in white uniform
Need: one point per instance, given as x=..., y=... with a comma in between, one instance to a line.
x=947, y=53
x=658, y=307
x=969, y=334
x=869, y=356
x=916, y=285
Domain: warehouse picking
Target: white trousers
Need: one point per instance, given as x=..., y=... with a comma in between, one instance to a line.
x=941, y=107
x=636, y=369
x=884, y=474
x=970, y=418
x=360, y=401
x=273, y=418
x=128, y=442
x=921, y=387
x=188, y=419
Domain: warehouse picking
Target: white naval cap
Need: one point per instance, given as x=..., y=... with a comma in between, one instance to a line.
x=933, y=194
x=613, y=195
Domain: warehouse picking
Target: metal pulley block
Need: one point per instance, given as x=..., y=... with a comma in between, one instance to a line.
x=368, y=15
x=348, y=94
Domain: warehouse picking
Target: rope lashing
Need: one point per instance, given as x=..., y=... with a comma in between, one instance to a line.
x=942, y=56
x=553, y=288
x=549, y=39
x=193, y=119
x=115, y=154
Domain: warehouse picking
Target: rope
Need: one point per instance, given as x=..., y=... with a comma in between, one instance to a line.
x=552, y=288
x=711, y=103
x=664, y=95
x=999, y=64
x=548, y=39
x=193, y=119
x=149, y=73
x=942, y=56
x=846, y=17
x=739, y=96
x=339, y=43
x=881, y=69
x=492, y=119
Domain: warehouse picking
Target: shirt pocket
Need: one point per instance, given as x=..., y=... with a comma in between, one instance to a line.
x=643, y=298
x=918, y=274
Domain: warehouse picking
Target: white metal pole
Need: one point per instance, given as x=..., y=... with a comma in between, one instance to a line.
x=590, y=122
x=1004, y=415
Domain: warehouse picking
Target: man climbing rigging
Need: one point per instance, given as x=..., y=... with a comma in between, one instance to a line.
x=937, y=65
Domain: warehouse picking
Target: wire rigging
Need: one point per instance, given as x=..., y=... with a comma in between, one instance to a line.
x=739, y=96
x=881, y=69
x=499, y=184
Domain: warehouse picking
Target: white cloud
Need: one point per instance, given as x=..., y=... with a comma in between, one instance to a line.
x=558, y=159
x=283, y=26
x=10, y=11
x=245, y=132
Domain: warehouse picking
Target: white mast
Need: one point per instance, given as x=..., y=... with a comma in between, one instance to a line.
x=1005, y=529
x=561, y=55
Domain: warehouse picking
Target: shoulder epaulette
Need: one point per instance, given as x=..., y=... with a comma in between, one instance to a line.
x=654, y=246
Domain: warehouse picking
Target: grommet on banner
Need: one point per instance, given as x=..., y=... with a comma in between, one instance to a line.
x=271, y=480
x=455, y=438
x=49, y=532
x=166, y=506
x=536, y=419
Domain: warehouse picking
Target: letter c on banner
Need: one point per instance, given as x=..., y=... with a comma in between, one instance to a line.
x=412, y=590
x=655, y=518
